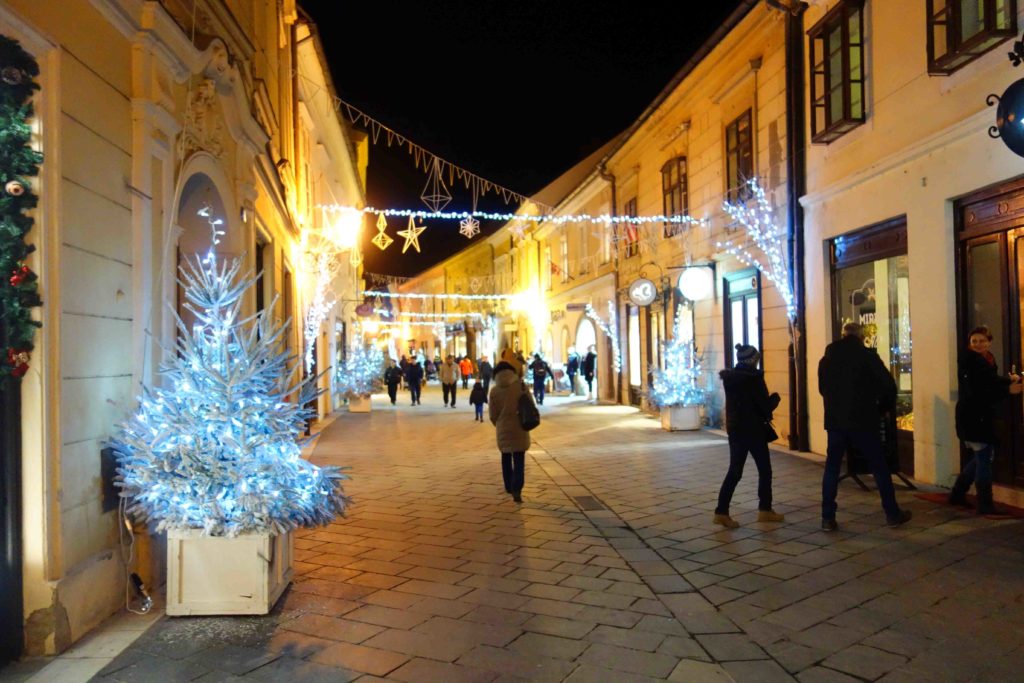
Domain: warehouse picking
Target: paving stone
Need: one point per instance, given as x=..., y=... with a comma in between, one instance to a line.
x=630, y=661
x=760, y=671
x=333, y=629
x=156, y=668
x=420, y=644
x=233, y=659
x=489, y=634
x=689, y=670
x=359, y=658
x=865, y=662
x=429, y=671
x=730, y=646
x=684, y=647
x=387, y=616
x=633, y=639
x=549, y=646
x=556, y=626
x=819, y=674
x=587, y=673
x=300, y=671
x=528, y=667
x=900, y=643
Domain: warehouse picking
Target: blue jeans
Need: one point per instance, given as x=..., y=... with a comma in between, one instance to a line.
x=979, y=469
x=738, y=449
x=870, y=445
x=480, y=411
x=538, y=390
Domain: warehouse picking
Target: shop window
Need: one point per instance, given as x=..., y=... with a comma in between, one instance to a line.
x=675, y=201
x=739, y=157
x=630, y=231
x=871, y=286
x=960, y=31
x=837, y=72
x=633, y=331
x=742, y=312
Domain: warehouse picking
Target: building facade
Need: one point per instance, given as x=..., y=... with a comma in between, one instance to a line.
x=153, y=118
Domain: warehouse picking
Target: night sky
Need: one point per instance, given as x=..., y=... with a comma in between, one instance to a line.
x=516, y=92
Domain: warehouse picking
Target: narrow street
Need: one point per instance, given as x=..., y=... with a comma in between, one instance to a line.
x=609, y=571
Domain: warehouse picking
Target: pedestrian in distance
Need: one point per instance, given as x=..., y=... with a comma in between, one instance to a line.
x=572, y=368
x=589, y=367
x=541, y=371
x=429, y=370
x=748, y=416
x=981, y=390
x=477, y=399
x=486, y=372
x=392, y=378
x=414, y=380
x=857, y=388
x=466, y=368
x=503, y=410
x=449, y=373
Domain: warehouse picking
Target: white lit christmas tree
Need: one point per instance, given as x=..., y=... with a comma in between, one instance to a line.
x=217, y=446
x=679, y=384
x=360, y=374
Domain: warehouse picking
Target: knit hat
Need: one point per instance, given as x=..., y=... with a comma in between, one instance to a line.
x=745, y=353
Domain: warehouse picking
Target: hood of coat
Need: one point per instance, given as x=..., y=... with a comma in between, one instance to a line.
x=738, y=376
x=505, y=375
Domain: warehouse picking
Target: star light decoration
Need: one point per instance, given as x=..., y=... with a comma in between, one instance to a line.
x=469, y=227
x=381, y=239
x=518, y=230
x=411, y=235
x=758, y=222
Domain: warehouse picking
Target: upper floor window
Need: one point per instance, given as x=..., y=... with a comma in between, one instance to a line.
x=549, y=269
x=837, y=72
x=960, y=31
x=630, y=231
x=563, y=253
x=739, y=157
x=673, y=192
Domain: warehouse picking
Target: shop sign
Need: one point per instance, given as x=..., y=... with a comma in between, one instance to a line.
x=642, y=292
x=364, y=310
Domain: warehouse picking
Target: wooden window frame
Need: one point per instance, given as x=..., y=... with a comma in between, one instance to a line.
x=755, y=292
x=632, y=244
x=739, y=156
x=960, y=52
x=836, y=124
x=675, y=199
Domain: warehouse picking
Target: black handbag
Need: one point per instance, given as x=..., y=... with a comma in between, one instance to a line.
x=769, y=432
x=529, y=415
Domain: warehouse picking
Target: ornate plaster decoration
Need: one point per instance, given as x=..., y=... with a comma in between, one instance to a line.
x=203, y=128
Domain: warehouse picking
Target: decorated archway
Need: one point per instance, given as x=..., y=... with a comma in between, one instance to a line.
x=586, y=340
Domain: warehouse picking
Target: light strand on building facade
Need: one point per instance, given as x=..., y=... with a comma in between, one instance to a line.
x=414, y=295
x=760, y=227
x=611, y=329
x=557, y=219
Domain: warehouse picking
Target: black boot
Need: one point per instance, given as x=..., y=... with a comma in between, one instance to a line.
x=985, y=504
x=958, y=496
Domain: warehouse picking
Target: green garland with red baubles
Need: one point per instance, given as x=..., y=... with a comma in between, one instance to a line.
x=19, y=286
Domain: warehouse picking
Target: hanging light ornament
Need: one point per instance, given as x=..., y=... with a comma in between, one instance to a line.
x=1010, y=108
x=435, y=192
x=381, y=239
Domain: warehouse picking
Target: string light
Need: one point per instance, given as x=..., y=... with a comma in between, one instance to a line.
x=361, y=373
x=415, y=295
x=557, y=219
x=611, y=329
x=759, y=224
x=412, y=314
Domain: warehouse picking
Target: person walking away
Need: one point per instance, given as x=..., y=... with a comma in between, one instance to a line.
x=449, y=372
x=748, y=409
x=541, y=371
x=429, y=369
x=503, y=410
x=857, y=388
x=486, y=373
x=588, y=366
x=572, y=368
x=981, y=390
x=414, y=380
x=466, y=367
x=477, y=398
x=392, y=378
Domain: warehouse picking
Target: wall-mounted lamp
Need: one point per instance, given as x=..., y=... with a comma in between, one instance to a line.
x=697, y=281
x=244, y=215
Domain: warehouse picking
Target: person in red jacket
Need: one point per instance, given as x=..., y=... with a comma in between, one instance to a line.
x=466, y=367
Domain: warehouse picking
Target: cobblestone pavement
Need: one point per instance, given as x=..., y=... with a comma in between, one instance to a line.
x=609, y=571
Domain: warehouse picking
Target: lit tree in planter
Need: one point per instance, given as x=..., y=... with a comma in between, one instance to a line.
x=360, y=374
x=217, y=447
x=679, y=384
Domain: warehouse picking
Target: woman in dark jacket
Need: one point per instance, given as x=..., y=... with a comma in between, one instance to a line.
x=748, y=409
x=981, y=389
x=503, y=409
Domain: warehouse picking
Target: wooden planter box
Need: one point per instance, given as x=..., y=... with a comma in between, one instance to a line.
x=359, y=404
x=209, y=575
x=680, y=418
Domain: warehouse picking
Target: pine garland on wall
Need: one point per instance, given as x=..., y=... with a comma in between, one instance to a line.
x=19, y=286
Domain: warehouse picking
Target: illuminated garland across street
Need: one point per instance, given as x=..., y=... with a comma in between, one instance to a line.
x=540, y=218
x=412, y=295
x=411, y=314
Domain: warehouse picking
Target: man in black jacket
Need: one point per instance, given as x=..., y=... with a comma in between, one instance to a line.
x=856, y=387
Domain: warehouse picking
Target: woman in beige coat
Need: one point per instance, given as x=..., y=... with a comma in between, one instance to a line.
x=513, y=440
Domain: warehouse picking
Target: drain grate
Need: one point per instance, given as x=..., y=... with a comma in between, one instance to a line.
x=588, y=503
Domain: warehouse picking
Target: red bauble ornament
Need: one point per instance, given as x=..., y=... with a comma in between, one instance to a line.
x=19, y=276
x=18, y=360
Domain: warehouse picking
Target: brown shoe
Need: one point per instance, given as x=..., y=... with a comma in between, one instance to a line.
x=770, y=516
x=725, y=520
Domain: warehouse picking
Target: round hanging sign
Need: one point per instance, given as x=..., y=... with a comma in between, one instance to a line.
x=642, y=292
x=364, y=310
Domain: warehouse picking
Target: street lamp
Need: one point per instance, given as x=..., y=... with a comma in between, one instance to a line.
x=697, y=282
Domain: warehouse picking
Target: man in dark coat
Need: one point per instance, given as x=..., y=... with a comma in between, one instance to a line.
x=572, y=368
x=857, y=388
x=486, y=373
x=392, y=378
x=589, y=366
x=413, y=378
x=541, y=371
x=748, y=409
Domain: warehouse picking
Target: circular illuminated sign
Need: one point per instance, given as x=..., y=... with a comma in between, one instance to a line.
x=696, y=283
x=642, y=292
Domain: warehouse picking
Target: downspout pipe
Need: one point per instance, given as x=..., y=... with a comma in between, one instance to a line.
x=602, y=170
x=796, y=172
